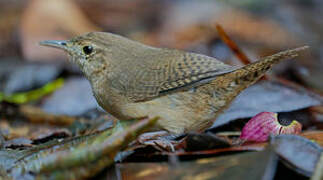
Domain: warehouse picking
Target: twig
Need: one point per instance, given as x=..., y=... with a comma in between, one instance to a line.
x=37, y=115
x=232, y=45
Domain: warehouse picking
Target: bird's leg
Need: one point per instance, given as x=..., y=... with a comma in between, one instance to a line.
x=160, y=140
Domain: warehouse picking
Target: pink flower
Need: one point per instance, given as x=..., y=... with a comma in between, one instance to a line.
x=263, y=124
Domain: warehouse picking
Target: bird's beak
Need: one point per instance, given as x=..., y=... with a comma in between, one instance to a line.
x=55, y=44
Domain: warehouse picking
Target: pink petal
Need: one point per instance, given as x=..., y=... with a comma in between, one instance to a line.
x=263, y=124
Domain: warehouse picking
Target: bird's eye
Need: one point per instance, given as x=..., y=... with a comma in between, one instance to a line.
x=87, y=50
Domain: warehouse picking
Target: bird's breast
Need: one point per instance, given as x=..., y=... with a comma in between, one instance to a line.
x=178, y=112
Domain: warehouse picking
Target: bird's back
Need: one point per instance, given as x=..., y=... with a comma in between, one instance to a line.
x=196, y=109
x=158, y=72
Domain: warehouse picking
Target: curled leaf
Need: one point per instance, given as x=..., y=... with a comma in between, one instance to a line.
x=264, y=124
x=297, y=153
x=21, y=98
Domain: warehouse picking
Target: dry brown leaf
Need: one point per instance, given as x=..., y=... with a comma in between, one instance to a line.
x=182, y=30
x=316, y=136
x=47, y=19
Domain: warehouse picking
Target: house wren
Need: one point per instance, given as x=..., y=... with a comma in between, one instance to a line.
x=186, y=90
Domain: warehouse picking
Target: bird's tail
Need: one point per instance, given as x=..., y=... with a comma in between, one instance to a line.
x=229, y=85
x=226, y=87
x=252, y=72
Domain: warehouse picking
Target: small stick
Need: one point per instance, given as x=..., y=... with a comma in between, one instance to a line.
x=234, y=47
x=37, y=115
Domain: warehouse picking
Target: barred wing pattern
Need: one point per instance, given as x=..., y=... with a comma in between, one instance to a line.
x=186, y=71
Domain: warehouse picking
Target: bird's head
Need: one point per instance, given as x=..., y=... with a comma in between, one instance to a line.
x=95, y=52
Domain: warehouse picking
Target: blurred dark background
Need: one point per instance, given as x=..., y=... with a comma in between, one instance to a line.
x=260, y=27
x=38, y=86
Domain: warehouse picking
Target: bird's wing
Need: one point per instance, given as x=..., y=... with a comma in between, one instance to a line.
x=180, y=72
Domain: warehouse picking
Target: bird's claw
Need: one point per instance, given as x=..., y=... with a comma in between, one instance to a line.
x=158, y=140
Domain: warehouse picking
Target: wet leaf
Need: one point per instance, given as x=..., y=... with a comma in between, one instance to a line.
x=96, y=156
x=33, y=123
x=267, y=96
x=77, y=97
x=297, y=152
x=19, y=76
x=254, y=165
x=76, y=157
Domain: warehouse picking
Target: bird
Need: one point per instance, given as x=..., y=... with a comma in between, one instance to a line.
x=186, y=90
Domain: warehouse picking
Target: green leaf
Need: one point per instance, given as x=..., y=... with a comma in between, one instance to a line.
x=25, y=97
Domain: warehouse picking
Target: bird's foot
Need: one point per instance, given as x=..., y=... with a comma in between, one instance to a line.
x=161, y=140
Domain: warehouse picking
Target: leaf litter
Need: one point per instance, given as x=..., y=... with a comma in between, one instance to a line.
x=93, y=152
x=74, y=139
